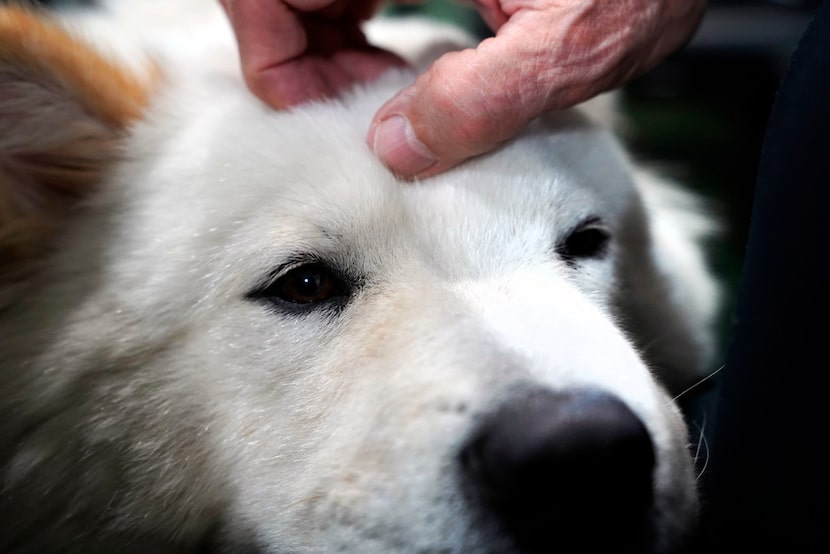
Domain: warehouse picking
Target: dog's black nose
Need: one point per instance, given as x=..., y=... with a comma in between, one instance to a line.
x=565, y=471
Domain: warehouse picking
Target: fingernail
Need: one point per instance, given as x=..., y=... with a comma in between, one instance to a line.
x=395, y=143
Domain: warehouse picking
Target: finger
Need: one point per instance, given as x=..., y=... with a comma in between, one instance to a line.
x=332, y=75
x=366, y=64
x=492, y=13
x=470, y=101
x=310, y=5
x=465, y=104
x=287, y=61
x=358, y=9
x=268, y=34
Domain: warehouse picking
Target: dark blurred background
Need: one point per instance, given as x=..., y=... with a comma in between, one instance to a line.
x=704, y=110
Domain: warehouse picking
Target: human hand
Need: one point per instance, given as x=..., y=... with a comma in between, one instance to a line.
x=295, y=51
x=546, y=55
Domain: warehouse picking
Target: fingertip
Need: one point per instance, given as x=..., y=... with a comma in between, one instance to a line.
x=258, y=85
x=394, y=141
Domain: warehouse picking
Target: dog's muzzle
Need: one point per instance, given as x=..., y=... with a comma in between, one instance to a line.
x=565, y=472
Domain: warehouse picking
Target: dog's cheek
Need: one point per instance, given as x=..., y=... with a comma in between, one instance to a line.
x=127, y=475
x=360, y=432
x=676, y=499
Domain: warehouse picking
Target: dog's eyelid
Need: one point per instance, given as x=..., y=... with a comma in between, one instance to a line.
x=295, y=261
x=590, y=222
x=290, y=264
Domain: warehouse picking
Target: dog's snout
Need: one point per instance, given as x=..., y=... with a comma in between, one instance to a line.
x=564, y=469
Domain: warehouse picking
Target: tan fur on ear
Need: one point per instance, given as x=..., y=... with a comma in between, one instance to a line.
x=37, y=45
x=64, y=109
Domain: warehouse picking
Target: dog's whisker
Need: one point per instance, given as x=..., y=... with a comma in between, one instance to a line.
x=702, y=444
x=697, y=384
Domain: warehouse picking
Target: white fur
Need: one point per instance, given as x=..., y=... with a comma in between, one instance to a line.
x=145, y=398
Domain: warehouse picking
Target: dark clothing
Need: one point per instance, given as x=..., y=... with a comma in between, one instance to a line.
x=767, y=486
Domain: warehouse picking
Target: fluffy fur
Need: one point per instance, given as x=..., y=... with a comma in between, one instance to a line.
x=154, y=398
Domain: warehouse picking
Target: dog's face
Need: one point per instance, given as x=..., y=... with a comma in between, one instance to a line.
x=251, y=334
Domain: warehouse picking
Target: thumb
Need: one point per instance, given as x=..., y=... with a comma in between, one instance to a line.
x=470, y=101
x=465, y=104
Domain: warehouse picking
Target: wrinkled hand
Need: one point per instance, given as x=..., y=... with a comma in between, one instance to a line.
x=546, y=55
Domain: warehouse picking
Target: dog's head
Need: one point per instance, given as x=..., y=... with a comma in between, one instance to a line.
x=224, y=327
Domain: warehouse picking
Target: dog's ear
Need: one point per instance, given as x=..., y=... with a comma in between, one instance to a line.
x=669, y=298
x=64, y=108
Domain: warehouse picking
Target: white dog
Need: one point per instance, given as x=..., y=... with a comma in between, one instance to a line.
x=224, y=328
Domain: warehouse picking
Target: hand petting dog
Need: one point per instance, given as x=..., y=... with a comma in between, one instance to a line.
x=546, y=55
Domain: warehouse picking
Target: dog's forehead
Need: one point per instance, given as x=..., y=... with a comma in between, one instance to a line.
x=287, y=182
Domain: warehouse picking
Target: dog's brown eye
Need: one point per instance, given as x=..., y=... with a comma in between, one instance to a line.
x=306, y=284
x=588, y=240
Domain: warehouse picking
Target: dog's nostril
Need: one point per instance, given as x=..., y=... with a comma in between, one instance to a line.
x=565, y=469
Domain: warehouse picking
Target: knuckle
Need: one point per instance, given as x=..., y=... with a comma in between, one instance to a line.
x=466, y=109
